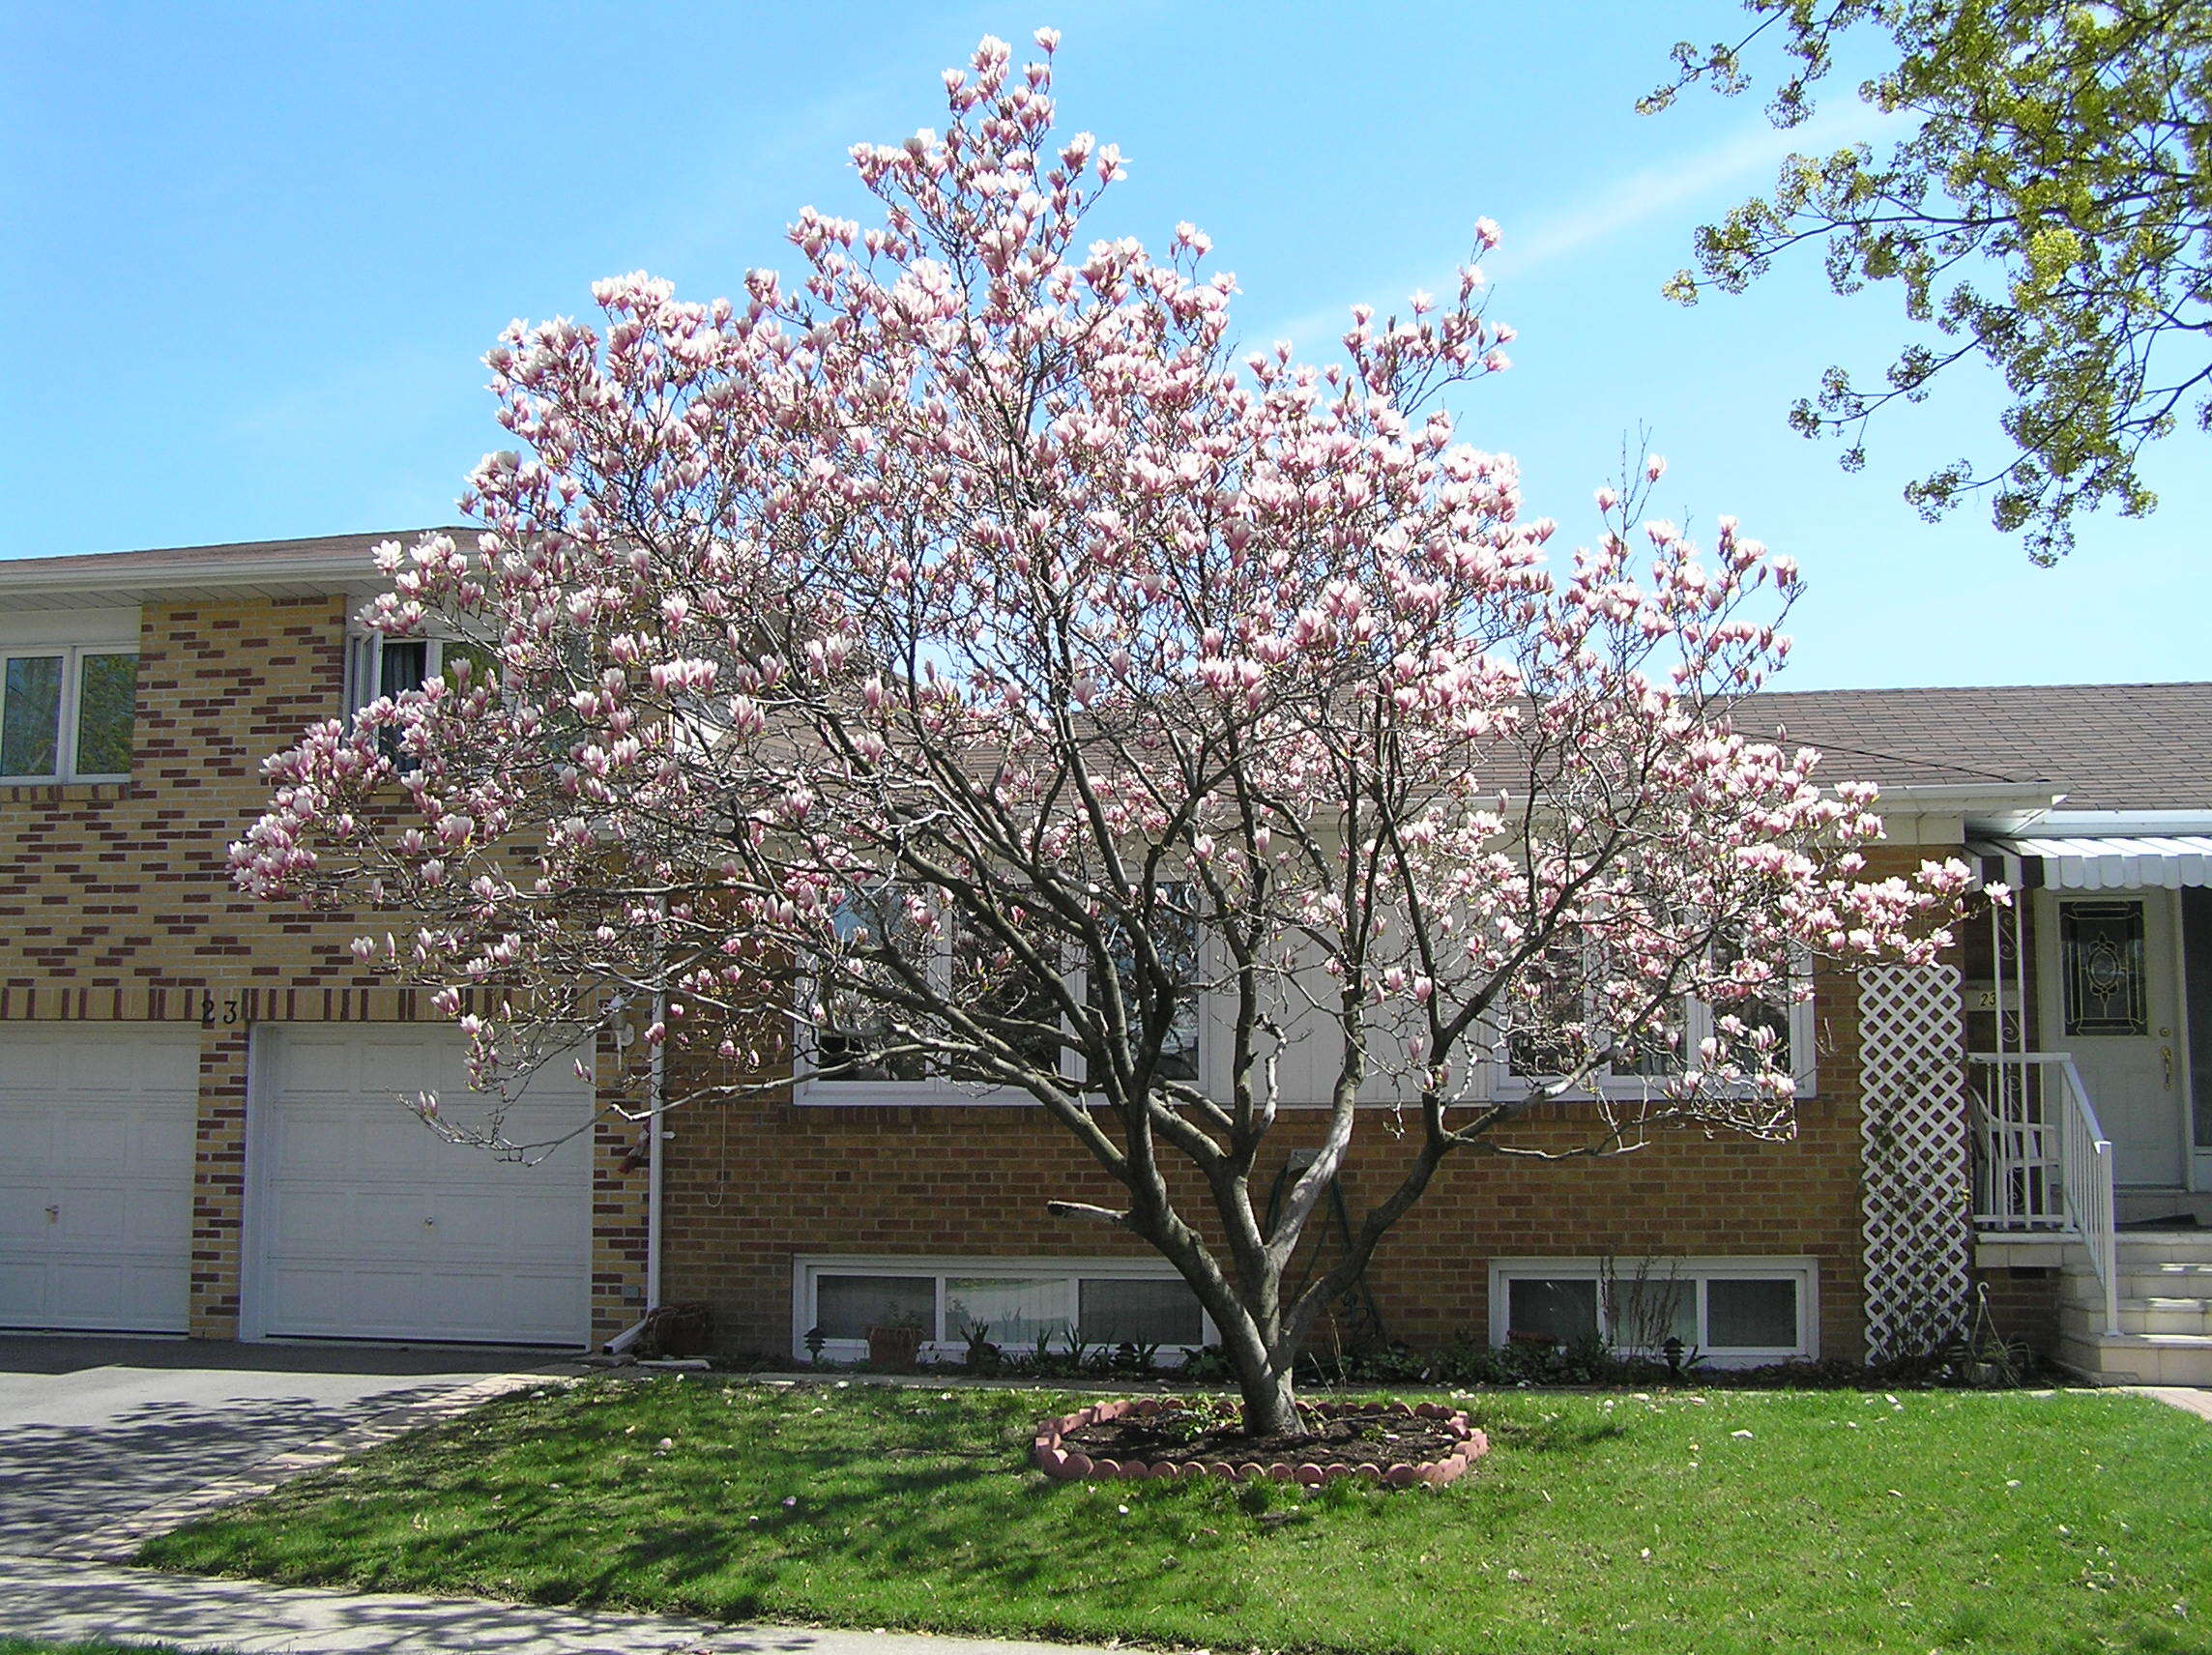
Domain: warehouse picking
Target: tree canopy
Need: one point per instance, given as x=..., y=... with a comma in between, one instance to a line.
x=2050, y=215
x=959, y=671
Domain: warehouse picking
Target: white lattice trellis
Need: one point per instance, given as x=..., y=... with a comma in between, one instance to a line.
x=1917, y=1185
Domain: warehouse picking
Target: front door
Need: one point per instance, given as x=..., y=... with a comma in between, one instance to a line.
x=2109, y=997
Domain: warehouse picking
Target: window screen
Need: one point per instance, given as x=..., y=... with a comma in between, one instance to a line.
x=1014, y=1310
x=106, y=711
x=846, y=1307
x=1750, y=1314
x=1116, y=1311
x=1564, y=1308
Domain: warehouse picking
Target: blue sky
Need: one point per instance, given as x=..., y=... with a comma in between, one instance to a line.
x=255, y=252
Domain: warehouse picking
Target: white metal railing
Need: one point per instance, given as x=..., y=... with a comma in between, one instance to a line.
x=2042, y=1163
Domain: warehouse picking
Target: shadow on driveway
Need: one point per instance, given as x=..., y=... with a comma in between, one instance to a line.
x=95, y=1432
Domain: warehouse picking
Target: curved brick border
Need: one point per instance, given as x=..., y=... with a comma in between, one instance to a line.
x=1069, y=1465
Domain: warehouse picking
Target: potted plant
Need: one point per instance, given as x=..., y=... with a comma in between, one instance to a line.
x=898, y=1346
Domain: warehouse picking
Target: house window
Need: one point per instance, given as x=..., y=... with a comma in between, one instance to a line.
x=851, y=1048
x=66, y=712
x=1013, y=1303
x=1548, y=1033
x=1736, y=1312
x=1175, y=937
x=381, y=668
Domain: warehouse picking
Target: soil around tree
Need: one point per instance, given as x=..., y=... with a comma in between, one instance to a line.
x=1173, y=1436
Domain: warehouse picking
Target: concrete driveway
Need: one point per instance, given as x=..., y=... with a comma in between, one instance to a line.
x=94, y=1433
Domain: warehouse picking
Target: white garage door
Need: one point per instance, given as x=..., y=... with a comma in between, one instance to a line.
x=96, y=1175
x=368, y=1224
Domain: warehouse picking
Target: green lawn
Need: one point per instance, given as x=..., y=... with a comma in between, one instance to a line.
x=1708, y=1521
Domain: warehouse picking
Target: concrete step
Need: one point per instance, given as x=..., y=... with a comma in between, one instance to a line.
x=2169, y=1281
x=2178, y=1246
x=2151, y=1314
x=2139, y=1358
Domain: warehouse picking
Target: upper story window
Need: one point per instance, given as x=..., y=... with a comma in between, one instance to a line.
x=379, y=667
x=68, y=713
x=851, y=1047
x=1547, y=1035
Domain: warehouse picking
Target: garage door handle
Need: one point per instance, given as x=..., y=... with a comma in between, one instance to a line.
x=53, y=1215
x=430, y=1224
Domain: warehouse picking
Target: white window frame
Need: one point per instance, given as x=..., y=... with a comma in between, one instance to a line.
x=1693, y=1272
x=66, y=735
x=365, y=663
x=944, y=1344
x=942, y=1090
x=1697, y=1024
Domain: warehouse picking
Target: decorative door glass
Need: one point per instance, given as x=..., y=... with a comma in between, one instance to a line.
x=2101, y=967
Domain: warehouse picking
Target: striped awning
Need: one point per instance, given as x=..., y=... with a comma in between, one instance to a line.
x=2110, y=861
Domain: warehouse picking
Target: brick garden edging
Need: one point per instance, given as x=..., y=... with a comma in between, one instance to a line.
x=1070, y=1465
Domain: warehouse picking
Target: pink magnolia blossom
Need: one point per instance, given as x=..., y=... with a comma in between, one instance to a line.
x=954, y=646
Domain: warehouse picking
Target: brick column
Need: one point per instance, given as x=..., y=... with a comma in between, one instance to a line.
x=218, y=1183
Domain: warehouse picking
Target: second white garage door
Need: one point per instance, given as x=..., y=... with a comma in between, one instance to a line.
x=368, y=1224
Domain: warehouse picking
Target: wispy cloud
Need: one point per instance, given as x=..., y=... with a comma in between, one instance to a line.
x=1650, y=191
x=1621, y=205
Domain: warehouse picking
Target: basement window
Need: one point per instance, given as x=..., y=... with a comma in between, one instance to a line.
x=1017, y=1304
x=1733, y=1312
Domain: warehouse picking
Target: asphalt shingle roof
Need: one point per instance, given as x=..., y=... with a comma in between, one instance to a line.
x=2106, y=746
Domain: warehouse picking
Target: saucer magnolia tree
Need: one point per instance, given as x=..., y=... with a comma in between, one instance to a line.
x=963, y=668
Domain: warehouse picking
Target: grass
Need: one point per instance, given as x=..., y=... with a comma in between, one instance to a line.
x=2031, y=1525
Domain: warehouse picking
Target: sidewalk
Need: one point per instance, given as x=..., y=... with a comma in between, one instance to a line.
x=67, y=1602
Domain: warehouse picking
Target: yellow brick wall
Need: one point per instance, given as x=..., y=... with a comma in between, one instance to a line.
x=116, y=905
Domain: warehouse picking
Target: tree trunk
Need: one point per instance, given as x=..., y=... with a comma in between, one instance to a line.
x=1270, y=1404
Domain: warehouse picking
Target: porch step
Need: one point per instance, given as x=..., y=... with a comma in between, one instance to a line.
x=2164, y=1246
x=2149, y=1315
x=2137, y=1281
x=2139, y=1359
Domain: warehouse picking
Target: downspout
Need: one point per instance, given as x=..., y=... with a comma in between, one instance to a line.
x=657, y=1102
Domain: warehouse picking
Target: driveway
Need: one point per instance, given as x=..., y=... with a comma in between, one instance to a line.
x=96, y=1432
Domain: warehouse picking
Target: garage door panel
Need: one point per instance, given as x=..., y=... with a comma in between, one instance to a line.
x=122, y=1291
x=24, y=1222
x=96, y=1126
x=87, y=1060
x=348, y=1301
x=307, y=1061
x=26, y=1138
x=372, y=1225
x=93, y=1140
x=316, y=1141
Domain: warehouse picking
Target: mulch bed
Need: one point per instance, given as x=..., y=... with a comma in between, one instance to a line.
x=1171, y=1437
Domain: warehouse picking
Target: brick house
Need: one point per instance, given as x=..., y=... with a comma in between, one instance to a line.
x=199, y=1134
